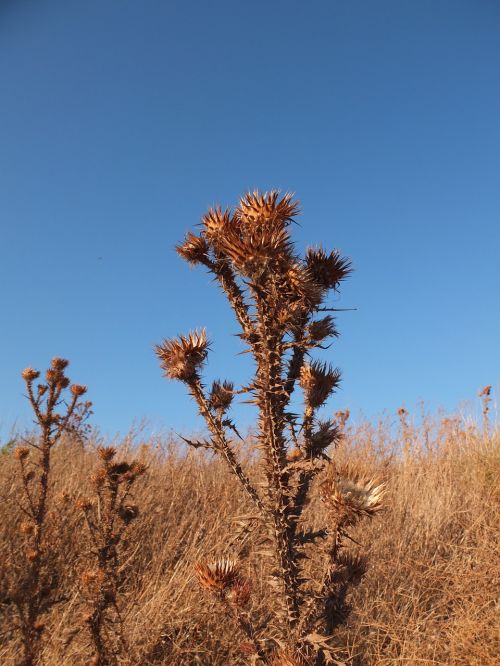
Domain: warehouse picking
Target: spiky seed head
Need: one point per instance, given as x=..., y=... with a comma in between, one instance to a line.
x=218, y=576
x=59, y=363
x=301, y=285
x=194, y=249
x=485, y=392
x=21, y=453
x=355, y=565
x=106, y=453
x=42, y=389
x=128, y=513
x=258, y=207
x=318, y=380
x=182, y=357
x=221, y=395
x=239, y=593
x=321, y=329
x=351, y=495
x=326, y=433
x=63, y=382
x=136, y=469
x=29, y=374
x=327, y=269
x=78, y=389
x=117, y=471
x=215, y=223
x=98, y=478
x=52, y=375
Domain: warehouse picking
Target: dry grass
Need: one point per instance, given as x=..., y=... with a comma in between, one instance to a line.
x=430, y=595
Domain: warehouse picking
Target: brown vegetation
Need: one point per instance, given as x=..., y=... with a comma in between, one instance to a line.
x=430, y=594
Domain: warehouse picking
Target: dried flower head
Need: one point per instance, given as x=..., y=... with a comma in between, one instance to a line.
x=29, y=374
x=351, y=495
x=21, y=453
x=128, y=513
x=258, y=207
x=194, y=249
x=321, y=329
x=327, y=269
x=42, y=389
x=59, y=363
x=106, y=453
x=485, y=392
x=221, y=395
x=326, y=433
x=215, y=222
x=98, y=478
x=182, y=357
x=219, y=576
x=239, y=594
x=318, y=380
x=78, y=389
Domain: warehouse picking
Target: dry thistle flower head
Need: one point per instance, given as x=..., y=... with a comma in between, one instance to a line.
x=321, y=329
x=78, y=389
x=351, y=495
x=42, y=389
x=327, y=269
x=59, y=363
x=485, y=392
x=128, y=513
x=194, y=249
x=182, y=357
x=21, y=453
x=136, y=469
x=318, y=380
x=106, y=453
x=219, y=576
x=215, y=222
x=257, y=207
x=326, y=433
x=221, y=395
x=29, y=374
x=98, y=478
x=239, y=594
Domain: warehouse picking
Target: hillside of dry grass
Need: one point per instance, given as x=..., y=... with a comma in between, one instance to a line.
x=430, y=595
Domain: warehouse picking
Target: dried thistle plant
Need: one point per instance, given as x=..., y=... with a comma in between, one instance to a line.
x=32, y=596
x=485, y=395
x=278, y=298
x=108, y=515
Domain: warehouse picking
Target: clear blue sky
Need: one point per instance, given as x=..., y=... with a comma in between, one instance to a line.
x=122, y=121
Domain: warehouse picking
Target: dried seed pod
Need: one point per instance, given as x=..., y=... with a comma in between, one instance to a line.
x=350, y=495
x=327, y=269
x=194, y=249
x=318, y=380
x=221, y=395
x=218, y=576
x=182, y=357
x=29, y=374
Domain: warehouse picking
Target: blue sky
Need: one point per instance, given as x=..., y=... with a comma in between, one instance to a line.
x=122, y=121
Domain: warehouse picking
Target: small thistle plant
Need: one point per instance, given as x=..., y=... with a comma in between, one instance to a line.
x=279, y=300
x=31, y=598
x=108, y=514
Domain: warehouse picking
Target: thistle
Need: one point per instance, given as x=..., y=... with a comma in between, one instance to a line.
x=279, y=300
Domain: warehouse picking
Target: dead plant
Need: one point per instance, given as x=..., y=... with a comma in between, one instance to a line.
x=278, y=298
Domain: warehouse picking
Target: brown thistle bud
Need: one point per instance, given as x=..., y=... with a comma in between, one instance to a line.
x=485, y=392
x=239, y=594
x=355, y=565
x=326, y=433
x=59, y=363
x=21, y=453
x=215, y=222
x=106, y=453
x=128, y=513
x=258, y=207
x=219, y=576
x=182, y=357
x=294, y=455
x=98, y=478
x=350, y=495
x=318, y=380
x=63, y=382
x=29, y=374
x=52, y=376
x=327, y=269
x=27, y=527
x=194, y=249
x=221, y=395
x=42, y=389
x=83, y=504
x=302, y=286
x=78, y=389
x=321, y=329
x=136, y=469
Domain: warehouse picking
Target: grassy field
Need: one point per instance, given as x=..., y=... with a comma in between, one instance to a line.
x=430, y=595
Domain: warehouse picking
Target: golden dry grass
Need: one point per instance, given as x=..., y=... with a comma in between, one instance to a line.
x=430, y=595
